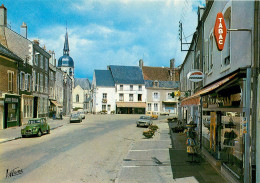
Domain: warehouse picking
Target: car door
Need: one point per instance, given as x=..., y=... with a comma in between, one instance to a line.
x=44, y=127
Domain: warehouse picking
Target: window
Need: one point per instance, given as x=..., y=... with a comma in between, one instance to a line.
x=155, y=107
x=140, y=87
x=38, y=82
x=10, y=80
x=108, y=107
x=36, y=58
x=121, y=97
x=139, y=97
x=77, y=98
x=149, y=106
x=131, y=97
x=28, y=82
x=121, y=87
x=103, y=107
x=46, y=64
x=131, y=87
x=155, y=96
x=46, y=84
x=104, y=95
x=41, y=57
x=210, y=64
x=169, y=96
x=155, y=84
x=41, y=82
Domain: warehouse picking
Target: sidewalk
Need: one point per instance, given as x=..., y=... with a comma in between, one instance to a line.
x=201, y=172
x=15, y=132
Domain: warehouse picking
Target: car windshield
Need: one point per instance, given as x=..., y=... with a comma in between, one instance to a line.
x=34, y=121
x=144, y=117
x=74, y=115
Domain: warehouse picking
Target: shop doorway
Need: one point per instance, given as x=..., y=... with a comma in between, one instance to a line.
x=35, y=107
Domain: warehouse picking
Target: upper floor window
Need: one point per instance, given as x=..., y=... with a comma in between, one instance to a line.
x=22, y=81
x=149, y=106
x=140, y=87
x=155, y=95
x=36, y=59
x=77, y=98
x=131, y=97
x=41, y=60
x=121, y=87
x=10, y=80
x=210, y=64
x=131, y=87
x=104, y=95
x=46, y=64
x=139, y=97
x=155, y=84
x=46, y=84
x=155, y=107
x=169, y=96
x=121, y=97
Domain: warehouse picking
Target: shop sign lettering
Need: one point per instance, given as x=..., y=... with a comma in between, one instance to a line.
x=220, y=31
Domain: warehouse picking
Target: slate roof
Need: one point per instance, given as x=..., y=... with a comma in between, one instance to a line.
x=127, y=74
x=6, y=52
x=163, y=84
x=159, y=73
x=104, y=78
x=83, y=83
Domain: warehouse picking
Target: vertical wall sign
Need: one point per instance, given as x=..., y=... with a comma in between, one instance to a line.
x=220, y=31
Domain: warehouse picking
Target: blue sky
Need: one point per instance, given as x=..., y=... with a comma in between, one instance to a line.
x=107, y=32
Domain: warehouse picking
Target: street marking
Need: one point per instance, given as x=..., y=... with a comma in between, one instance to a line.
x=131, y=166
x=150, y=150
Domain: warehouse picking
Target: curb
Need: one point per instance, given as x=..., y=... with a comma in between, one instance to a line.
x=15, y=138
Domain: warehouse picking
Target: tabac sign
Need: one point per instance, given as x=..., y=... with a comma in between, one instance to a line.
x=220, y=31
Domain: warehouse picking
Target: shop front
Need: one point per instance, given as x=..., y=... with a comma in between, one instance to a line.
x=130, y=107
x=12, y=111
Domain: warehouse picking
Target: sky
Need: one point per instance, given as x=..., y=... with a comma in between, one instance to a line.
x=108, y=32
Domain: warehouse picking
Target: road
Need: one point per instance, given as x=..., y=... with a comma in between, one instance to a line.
x=91, y=151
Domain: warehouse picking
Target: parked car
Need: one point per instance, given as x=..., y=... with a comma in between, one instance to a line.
x=74, y=118
x=144, y=121
x=82, y=114
x=153, y=115
x=36, y=126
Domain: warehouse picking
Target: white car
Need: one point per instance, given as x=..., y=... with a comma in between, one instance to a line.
x=82, y=114
x=144, y=121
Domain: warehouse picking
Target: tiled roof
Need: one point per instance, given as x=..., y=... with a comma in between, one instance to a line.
x=8, y=53
x=127, y=74
x=163, y=84
x=159, y=73
x=104, y=78
x=83, y=83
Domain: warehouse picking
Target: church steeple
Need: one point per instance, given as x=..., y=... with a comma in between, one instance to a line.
x=66, y=50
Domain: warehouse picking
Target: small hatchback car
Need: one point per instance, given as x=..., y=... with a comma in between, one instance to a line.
x=144, y=121
x=35, y=126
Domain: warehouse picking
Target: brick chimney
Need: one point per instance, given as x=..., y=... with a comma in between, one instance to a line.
x=172, y=69
x=23, y=30
x=172, y=63
x=141, y=63
x=36, y=42
x=3, y=15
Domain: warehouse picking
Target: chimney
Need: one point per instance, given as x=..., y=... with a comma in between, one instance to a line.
x=23, y=30
x=36, y=42
x=172, y=61
x=3, y=15
x=141, y=63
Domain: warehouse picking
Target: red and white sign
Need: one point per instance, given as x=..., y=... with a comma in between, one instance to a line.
x=195, y=76
x=220, y=31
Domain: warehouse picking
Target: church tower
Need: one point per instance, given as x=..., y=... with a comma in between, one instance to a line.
x=65, y=62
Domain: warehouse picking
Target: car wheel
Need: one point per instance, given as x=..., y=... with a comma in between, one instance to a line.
x=23, y=136
x=137, y=125
x=39, y=133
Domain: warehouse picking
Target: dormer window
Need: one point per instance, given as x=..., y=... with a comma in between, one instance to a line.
x=155, y=83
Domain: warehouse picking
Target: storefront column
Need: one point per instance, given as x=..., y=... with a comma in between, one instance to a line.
x=246, y=106
x=258, y=134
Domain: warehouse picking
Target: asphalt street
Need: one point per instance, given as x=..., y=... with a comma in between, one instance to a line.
x=91, y=151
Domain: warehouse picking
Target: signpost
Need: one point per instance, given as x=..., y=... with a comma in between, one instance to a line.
x=195, y=76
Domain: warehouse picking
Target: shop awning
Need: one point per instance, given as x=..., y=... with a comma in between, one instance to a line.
x=195, y=98
x=56, y=103
x=131, y=104
x=170, y=102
